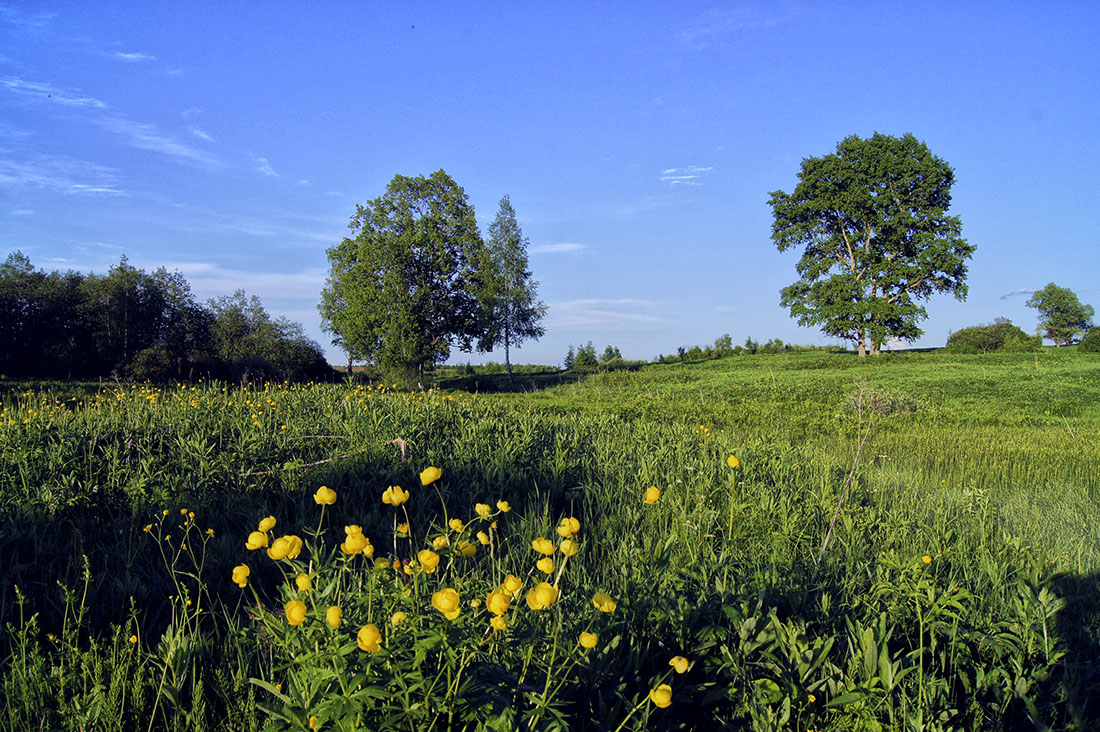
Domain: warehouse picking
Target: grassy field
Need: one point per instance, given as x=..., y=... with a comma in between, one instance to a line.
x=902, y=543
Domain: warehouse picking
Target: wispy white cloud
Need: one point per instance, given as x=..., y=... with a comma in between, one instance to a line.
x=134, y=57
x=146, y=136
x=50, y=93
x=57, y=174
x=16, y=17
x=200, y=133
x=725, y=308
x=688, y=176
x=212, y=280
x=265, y=167
x=594, y=313
x=562, y=247
x=21, y=212
x=716, y=24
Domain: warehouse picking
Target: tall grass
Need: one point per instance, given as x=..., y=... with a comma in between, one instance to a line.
x=958, y=592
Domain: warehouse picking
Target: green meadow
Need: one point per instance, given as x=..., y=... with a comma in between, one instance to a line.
x=804, y=541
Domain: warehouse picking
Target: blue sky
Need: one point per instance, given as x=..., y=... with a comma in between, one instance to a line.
x=638, y=142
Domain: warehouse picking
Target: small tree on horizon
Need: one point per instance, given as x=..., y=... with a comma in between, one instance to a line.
x=1062, y=316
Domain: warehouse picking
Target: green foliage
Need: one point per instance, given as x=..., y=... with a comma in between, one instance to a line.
x=877, y=240
x=402, y=289
x=1062, y=317
x=1002, y=335
x=507, y=296
x=1091, y=342
x=585, y=358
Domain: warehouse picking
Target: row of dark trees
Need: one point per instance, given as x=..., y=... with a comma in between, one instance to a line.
x=134, y=324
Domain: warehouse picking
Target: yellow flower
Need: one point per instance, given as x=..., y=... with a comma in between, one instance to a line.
x=652, y=494
x=498, y=622
x=512, y=584
x=398, y=617
x=430, y=475
x=503, y=506
x=148, y=528
x=279, y=549
x=295, y=612
x=483, y=510
x=456, y=524
x=569, y=547
x=324, y=496
x=498, y=601
x=312, y=720
x=542, y=596
x=428, y=559
x=679, y=663
x=732, y=461
x=240, y=575
x=546, y=564
x=466, y=549
x=333, y=616
x=303, y=582
x=133, y=639
x=811, y=698
x=369, y=639
x=603, y=602
x=395, y=496
x=926, y=559
x=381, y=563
x=588, y=640
x=356, y=542
x=440, y=542
x=403, y=529
x=568, y=527
x=256, y=540
x=661, y=696
x=543, y=546
x=447, y=602
x=267, y=524
x=483, y=538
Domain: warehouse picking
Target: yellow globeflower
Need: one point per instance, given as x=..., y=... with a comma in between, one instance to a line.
x=732, y=461
x=498, y=622
x=356, y=542
x=403, y=529
x=498, y=601
x=652, y=494
x=466, y=549
x=926, y=559
x=512, y=584
x=456, y=524
x=483, y=538
x=256, y=540
x=398, y=617
x=395, y=496
x=428, y=559
x=294, y=546
x=303, y=582
x=279, y=549
x=542, y=596
x=447, y=602
x=430, y=475
x=604, y=603
x=267, y=524
x=324, y=496
x=568, y=527
x=679, y=663
x=295, y=612
x=546, y=564
x=441, y=542
x=240, y=575
x=503, y=506
x=661, y=696
x=333, y=616
x=569, y=547
x=543, y=546
x=369, y=639
x=483, y=510
x=588, y=640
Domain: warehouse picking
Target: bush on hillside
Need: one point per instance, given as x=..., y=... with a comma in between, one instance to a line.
x=1091, y=342
x=1002, y=335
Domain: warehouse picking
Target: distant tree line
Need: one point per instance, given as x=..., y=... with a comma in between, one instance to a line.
x=130, y=323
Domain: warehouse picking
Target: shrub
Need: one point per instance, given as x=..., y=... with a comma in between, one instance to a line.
x=1091, y=342
x=1001, y=335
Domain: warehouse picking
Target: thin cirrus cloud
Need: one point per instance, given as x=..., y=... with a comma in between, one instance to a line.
x=134, y=57
x=39, y=90
x=563, y=247
x=211, y=280
x=625, y=313
x=57, y=174
x=200, y=133
x=265, y=167
x=689, y=176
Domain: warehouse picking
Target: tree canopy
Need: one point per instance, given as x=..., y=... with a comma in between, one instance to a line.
x=877, y=240
x=1062, y=317
x=508, y=297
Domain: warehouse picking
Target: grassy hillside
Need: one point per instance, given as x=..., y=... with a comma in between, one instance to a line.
x=958, y=588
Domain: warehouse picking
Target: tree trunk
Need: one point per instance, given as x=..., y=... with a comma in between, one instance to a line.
x=861, y=342
x=507, y=360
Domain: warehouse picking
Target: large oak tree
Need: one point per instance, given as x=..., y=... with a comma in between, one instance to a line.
x=876, y=239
